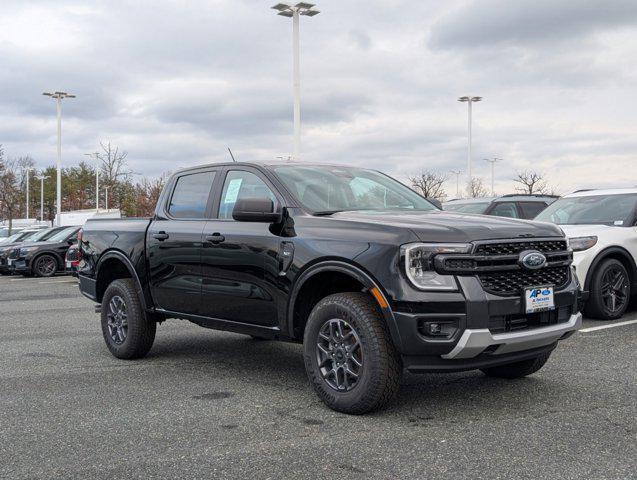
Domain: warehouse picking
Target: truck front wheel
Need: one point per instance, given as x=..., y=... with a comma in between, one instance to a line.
x=518, y=369
x=350, y=359
x=128, y=333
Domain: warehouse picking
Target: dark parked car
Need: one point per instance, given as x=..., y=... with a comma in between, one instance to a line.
x=43, y=258
x=19, y=238
x=513, y=206
x=370, y=276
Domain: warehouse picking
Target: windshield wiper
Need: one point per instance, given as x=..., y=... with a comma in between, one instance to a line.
x=323, y=213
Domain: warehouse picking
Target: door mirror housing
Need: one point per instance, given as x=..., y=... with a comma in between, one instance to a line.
x=255, y=210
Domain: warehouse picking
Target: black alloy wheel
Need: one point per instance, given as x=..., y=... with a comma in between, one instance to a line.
x=339, y=354
x=117, y=320
x=610, y=289
x=45, y=266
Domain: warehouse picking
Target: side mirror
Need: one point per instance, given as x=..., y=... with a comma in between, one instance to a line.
x=255, y=210
x=72, y=241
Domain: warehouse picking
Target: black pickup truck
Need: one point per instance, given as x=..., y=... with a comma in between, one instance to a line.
x=368, y=275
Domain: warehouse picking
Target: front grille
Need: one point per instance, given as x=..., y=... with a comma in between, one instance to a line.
x=497, y=265
x=513, y=248
x=513, y=323
x=513, y=282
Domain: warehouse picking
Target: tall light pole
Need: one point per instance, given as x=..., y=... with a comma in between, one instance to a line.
x=58, y=96
x=27, y=171
x=469, y=99
x=97, y=178
x=492, y=161
x=42, y=178
x=106, y=198
x=457, y=174
x=293, y=12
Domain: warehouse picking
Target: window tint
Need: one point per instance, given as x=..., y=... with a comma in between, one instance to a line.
x=190, y=196
x=504, y=209
x=240, y=185
x=531, y=209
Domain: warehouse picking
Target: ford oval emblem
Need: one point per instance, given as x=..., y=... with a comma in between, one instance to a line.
x=532, y=260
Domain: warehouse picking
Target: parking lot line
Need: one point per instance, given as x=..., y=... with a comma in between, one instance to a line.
x=603, y=327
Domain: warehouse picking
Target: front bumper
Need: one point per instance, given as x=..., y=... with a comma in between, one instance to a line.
x=480, y=340
x=475, y=341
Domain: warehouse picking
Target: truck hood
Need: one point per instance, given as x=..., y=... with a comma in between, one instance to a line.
x=585, y=230
x=441, y=226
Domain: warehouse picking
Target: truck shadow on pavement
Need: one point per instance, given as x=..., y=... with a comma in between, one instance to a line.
x=269, y=367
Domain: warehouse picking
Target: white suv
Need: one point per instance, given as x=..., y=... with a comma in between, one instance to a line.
x=602, y=231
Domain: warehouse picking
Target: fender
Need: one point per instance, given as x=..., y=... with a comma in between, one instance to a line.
x=131, y=269
x=355, y=272
x=616, y=250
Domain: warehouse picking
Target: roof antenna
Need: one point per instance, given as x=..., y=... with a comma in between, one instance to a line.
x=233, y=159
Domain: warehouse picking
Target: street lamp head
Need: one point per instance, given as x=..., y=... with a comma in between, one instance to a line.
x=303, y=8
x=463, y=99
x=476, y=99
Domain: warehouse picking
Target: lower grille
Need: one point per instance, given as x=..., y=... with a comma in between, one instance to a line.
x=514, y=323
x=513, y=282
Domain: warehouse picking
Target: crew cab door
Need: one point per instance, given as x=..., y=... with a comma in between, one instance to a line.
x=174, y=242
x=237, y=256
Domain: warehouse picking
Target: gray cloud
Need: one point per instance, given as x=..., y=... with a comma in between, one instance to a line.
x=175, y=83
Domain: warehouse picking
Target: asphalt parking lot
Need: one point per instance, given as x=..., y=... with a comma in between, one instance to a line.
x=207, y=404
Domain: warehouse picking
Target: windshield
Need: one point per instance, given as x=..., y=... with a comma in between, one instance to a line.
x=328, y=189
x=467, y=207
x=591, y=210
x=10, y=239
x=62, y=234
x=42, y=234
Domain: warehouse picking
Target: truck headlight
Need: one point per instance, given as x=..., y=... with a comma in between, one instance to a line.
x=419, y=264
x=579, y=244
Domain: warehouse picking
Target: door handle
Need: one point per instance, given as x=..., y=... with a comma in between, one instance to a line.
x=161, y=236
x=215, y=238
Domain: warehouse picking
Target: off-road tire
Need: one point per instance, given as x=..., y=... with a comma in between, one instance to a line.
x=518, y=369
x=380, y=374
x=140, y=329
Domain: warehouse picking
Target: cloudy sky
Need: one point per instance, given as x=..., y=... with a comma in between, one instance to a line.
x=176, y=82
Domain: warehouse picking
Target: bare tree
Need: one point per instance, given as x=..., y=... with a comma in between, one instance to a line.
x=430, y=185
x=531, y=182
x=476, y=189
x=114, y=166
x=9, y=189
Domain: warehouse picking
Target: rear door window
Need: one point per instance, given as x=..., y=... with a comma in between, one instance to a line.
x=504, y=209
x=190, y=196
x=531, y=209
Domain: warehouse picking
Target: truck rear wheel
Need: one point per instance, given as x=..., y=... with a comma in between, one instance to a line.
x=127, y=331
x=518, y=369
x=350, y=359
